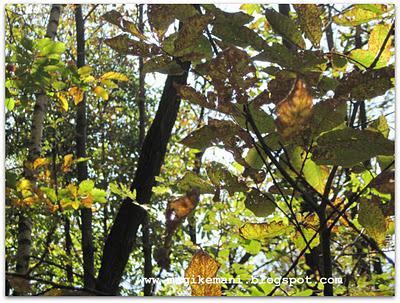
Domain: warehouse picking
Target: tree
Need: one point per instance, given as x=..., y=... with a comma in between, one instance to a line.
x=269, y=149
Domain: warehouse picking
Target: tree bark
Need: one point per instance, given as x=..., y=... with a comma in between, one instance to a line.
x=130, y=216
x=34, y=148
x=82, y=170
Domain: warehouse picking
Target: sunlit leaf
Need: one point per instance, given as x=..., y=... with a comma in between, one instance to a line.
x=68, y=161
x=39, y=162
x=101, y=92
x=63, y=101
x=114, y=76
x=77, y=94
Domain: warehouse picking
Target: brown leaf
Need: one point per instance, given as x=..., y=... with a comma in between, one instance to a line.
x=200, y=272
x=294, y=112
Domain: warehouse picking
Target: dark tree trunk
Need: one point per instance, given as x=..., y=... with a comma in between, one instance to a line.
x=81, y=129
x=130, y=216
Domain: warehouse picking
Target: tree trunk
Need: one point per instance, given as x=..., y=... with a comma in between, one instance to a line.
x=34, y=148
x=130, y=216
x=81, y=127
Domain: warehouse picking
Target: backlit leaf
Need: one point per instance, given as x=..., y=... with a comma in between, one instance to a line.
x=294, y=112
x=203, y=266
x=192, y=181
x=310, y=21
x=285, y=27
x=261, y=231
x=114, y=76
x=348, y=146
x=371, y=217
x=375, y=43
x=191, y=30
x=261, y=204
x=355, y=16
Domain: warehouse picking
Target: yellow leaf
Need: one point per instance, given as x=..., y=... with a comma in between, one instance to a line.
x=101, y=92
x=24, y=184
x=87, y=201
x=73, y=189
x=114, y=76
x=261, y=231
x=85, y=70
x=77, y=94
x=200, y=272
x=63, y=101
x=75, y=204
x=294, y=112
x=68, y=160
x=39, y=162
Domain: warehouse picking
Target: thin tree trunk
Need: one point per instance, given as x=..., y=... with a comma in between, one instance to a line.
x=130, y=216
x=34, y=148
x=68, y=246
x=81, y=129
x=142, y=92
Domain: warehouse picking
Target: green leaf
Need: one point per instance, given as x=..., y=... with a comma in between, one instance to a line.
x=355, y=16
x=241, y=36
x=347, y=147
x=308, y=234
x=48, y=47
x=285, y=27
x=162, y=64
x=191, y=30
x=371, y=217
x=11, y=179
x=126, y=46
x=380, y=125
x=10, y=104
x=326, y=115
x=221, y=177
x=235, y=19
x=215, y=132
x=310, y=21
x=261, y=204
x=253, y=158
x=253, y=247
x=99, y=195
x=85, y=187
x=192, y=181
x=198, y=49
x=367, y=85
x=113, y=17
x=265, y=123
x=314, y=174
x=161, y=16
x=261, y=231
